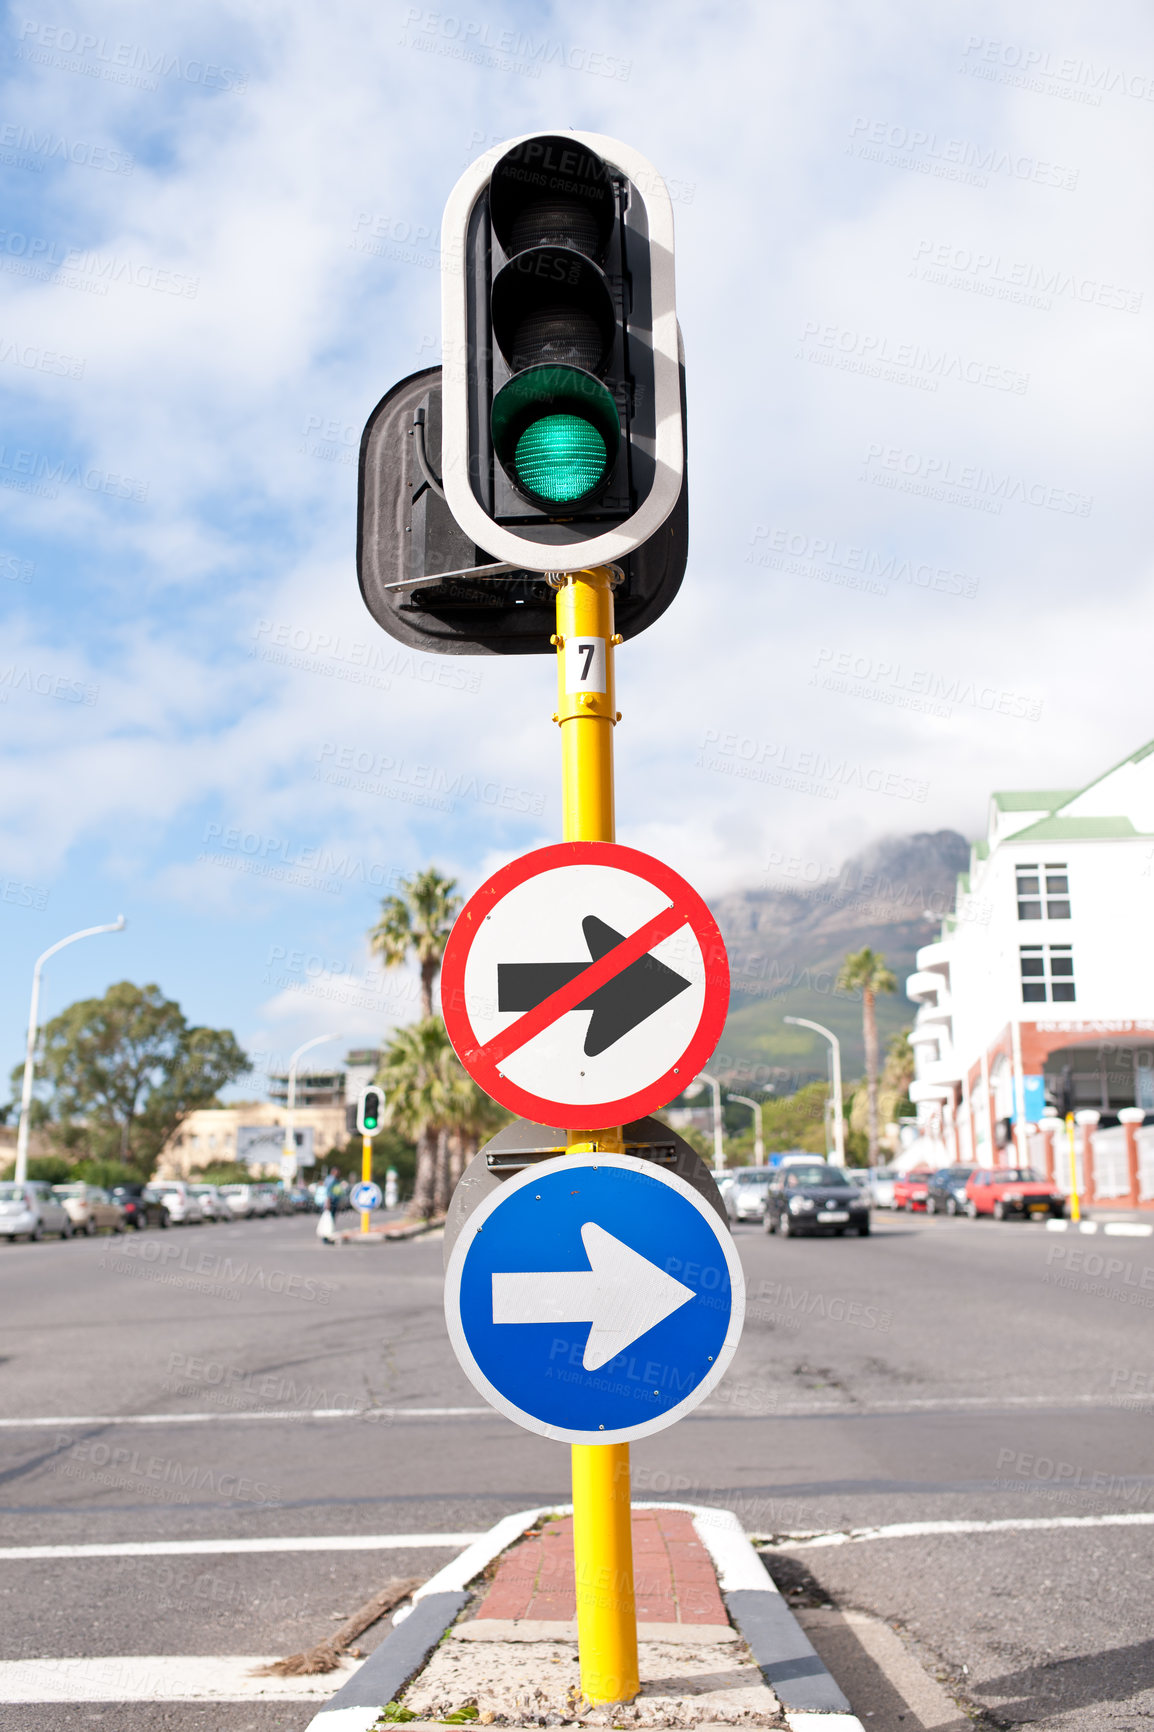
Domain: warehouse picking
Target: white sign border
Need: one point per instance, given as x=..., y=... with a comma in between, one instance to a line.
x=528, y=1421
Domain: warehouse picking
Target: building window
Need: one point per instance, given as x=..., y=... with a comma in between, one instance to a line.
x=1047, y=973
x=1029, y=894
x=1057, y=891
x=1043, y=894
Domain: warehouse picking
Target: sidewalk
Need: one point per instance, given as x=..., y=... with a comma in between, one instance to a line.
x=492, y=1638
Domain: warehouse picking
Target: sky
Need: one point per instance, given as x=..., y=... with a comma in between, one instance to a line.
x=916, y=286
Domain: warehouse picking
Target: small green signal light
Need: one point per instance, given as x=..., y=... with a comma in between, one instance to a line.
x=561, y=458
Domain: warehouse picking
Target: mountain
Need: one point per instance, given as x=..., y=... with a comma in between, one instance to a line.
x=786, y=946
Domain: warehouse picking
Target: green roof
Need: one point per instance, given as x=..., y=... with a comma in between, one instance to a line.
x=1036, y=800
x=1075, y=830
x=981, y=850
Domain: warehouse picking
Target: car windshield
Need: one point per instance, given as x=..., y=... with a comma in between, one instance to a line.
x=70, y=1190
x=1018, y=1176
x=8, y=1191
x=818, y=1174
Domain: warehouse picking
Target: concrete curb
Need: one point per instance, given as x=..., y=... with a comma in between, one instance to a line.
x=809, y=1695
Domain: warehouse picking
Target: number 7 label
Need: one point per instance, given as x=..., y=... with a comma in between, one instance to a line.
x=585, y=664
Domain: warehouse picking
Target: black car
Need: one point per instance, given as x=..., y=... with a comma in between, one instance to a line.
x=946, y=1191
x=815, y=1199
x=142, y=1207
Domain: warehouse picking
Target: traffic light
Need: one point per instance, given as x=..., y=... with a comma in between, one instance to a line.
x=562, y=433
x=370, y=1110
x=553, y=437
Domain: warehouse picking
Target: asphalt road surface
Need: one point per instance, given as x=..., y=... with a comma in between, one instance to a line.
x=245, y=1380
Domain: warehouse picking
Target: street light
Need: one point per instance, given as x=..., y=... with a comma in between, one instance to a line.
x=718, y=1145
x=758, y=1140
x=22, y=1134
x=835, y=1050
x=290, y=1147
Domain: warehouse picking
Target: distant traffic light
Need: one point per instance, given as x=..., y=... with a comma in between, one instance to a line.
x=553, y=436
x=370, y=1110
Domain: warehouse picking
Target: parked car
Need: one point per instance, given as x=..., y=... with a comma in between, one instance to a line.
x=31, y=1209
x=142, y=1207
x=912, y=1188
x=240, y=1200
x=946, y=1192
x=90, y=1209
x=1012, y=1193
x=213, y=1206
x=745, y=1198
x=814, y=1198
x=881, y=1186
x=180, y=1200
x=265, y=1200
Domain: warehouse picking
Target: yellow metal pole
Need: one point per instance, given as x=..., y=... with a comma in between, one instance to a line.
x=1075, y=1206
x=602, y=1523
x=366, y=1173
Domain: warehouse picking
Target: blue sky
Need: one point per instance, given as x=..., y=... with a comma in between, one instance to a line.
x=916, y=288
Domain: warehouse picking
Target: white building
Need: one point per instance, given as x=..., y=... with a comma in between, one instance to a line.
x=1038, y=998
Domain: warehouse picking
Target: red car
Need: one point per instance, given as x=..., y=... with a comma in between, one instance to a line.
x=1012, y=1194
x=912, y=1188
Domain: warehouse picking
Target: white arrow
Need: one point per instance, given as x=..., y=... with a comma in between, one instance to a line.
x=622, y=1294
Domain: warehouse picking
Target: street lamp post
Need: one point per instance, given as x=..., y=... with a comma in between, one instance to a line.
x=758, y=1139
x=290, y=1147
x=835, y=1049
x=22, y=1134
x=718, y=1144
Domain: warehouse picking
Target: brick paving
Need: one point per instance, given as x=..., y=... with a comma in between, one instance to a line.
x=674, y=1578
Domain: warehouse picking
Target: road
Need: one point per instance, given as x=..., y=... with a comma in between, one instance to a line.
x=245, y=1380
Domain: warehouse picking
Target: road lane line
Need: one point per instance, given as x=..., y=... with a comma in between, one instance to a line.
x=925, y=1530
x=157, y=1678
x=275, y=1543
x=255, y=1413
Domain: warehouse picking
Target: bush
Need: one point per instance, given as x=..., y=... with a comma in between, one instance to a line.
x=106, y=1173
x=50, y=1169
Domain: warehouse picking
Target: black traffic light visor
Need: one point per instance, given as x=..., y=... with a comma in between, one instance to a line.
x=553, y=305
x=554, y=190
x=556, y=431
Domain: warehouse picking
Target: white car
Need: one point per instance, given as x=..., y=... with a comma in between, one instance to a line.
x=745, y=1197
x=180, y=1200
x=881, y=1187
x=213, y=1206
x=31, y=1209
x=239, y=1200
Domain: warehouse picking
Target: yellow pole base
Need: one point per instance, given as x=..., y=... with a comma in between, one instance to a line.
x=603, y=1568
x=366, y=1173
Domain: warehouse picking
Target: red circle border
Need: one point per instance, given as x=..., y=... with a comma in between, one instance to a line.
x=665, y=1088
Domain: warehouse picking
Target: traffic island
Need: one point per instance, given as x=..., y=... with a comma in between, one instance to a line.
x=492, y=1638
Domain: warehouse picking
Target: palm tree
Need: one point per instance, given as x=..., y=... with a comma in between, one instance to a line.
x=415, y=1078
x=419, y=919
x=865, y=971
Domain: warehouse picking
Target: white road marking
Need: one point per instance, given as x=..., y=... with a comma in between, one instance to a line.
x=793, y=1410
x=275, y=1543
x=926, y=1530
x=255, y=1413
x=159, y=1678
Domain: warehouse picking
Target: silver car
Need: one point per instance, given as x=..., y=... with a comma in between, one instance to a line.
x=213, y=1206
x=745, y=1197
x=31, y=1209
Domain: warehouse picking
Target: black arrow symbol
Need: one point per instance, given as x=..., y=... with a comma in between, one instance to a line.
x=618, y=1006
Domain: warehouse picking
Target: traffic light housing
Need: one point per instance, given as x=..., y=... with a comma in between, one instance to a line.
x=562, y=431
x=370, y=1110
x=554, y=435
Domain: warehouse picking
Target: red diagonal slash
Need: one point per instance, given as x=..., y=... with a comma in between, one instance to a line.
x=570, y=995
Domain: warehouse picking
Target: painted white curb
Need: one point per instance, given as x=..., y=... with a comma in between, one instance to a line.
x=739, y=1569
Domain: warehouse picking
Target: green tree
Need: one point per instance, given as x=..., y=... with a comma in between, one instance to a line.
x=124, y=1070
x=865, y=971
x=417, y=1084
x=418, y=920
